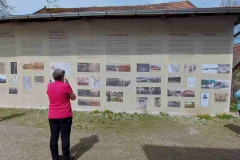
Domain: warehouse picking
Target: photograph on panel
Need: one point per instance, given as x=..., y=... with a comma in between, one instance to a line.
x=174, y=79
x=143, y=67
x=210, y=68
x=155, y=67
x=118, y=67
x=2, y=68
x=13, y=67
x=215, y=84
x=39, y=79
x=142, y=103
x=120, y=82
x=87, y=102
x=174, y=92
x=149, y=90
x=189, y=104
x=83, y=81
x=205, y=98
x=114, y=96
x=189, y=68
x=173, y=68
x=3, y=90
x=149, y=79
x=15, y=79
x=13, y=90
x=27, y=83
x=188, y=93
x=38, y=66
x=88, y=67
x=95, y=81
x=157, y=102
x=220, y=97
x=28, y=66
x=3, y=79
x=88, y=93
x=174, y=104
x=223, y=68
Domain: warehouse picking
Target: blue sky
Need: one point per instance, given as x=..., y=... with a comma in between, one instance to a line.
x=30, y=6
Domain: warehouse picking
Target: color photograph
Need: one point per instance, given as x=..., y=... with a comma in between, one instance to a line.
x=189, y=68
x=214, y=84
x=155, y=67
x=174, y=93
x=223, y=68
x=92, y=103
x=83, y=81
x=39, y=79
x=220, y=97
x=189, y=105
x=114, y=96
x=13, y=67
x=28, y=66
x=119, y=82
x=38, y=66
x=143, y=67
x=188, y=93
x=13, y=90
x=142, y=103
x=88, y=67
x=210, y=68
x=118, y=67
x=3, y=79
x=150, y=79
x=173, y=68
x=88, y=93
x=174, y=104
x=157, y=102
x=174, y=79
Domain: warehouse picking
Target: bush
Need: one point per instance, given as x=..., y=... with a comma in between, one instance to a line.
x=204, y=116
x=164, y=114
x=224, y=116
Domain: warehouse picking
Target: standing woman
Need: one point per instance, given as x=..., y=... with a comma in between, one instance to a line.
x=60, y=114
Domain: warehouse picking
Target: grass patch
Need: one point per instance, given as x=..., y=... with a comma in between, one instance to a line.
x=233, y=107
x=204, y=116
x=224, y=116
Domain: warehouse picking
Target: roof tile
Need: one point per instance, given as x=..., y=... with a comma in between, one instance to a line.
x=161, y=6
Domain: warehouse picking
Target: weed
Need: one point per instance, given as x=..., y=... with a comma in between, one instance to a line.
x=204, y=116
x=224, y=116
x=95, y=112
x=164, y=114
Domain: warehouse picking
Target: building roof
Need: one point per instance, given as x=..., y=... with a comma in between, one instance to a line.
x=150, y=7
x=236, y=54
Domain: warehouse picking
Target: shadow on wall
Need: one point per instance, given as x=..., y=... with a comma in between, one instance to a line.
x=84, y=145
x=184, y=153
x=11, y=117
x=233, y=128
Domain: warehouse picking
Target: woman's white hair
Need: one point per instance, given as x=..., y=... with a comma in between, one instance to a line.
x=57, y=74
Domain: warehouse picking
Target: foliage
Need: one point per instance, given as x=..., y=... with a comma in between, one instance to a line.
x=224, y=116
x=233, y=107
x=164, y=114
x=204, y=116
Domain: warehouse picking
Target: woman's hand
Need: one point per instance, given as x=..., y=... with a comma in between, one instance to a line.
x=66, y=81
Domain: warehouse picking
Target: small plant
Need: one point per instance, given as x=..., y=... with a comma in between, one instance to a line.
x=164, y=114
x=107, y=112
x=224, y=116
x=95, y=112
x=204, y=116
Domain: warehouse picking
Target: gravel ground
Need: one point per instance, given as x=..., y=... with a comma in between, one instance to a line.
x=155, y=139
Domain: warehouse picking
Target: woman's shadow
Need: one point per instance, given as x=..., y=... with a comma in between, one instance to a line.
x=84, y=145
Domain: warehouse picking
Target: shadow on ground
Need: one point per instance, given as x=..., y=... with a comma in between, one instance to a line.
x=184, y=153
x=233, y=128
x=11, y=116
x=84, y=145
